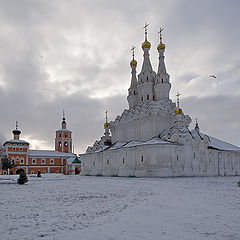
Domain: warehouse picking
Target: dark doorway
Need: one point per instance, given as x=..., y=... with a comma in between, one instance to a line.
x=77, y=171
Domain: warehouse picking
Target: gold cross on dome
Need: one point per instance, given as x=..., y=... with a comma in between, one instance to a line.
x=178, y=95
x=63, y=113
x=160, y=34
x=132, y=49
x=16, y=124
x=145, y=27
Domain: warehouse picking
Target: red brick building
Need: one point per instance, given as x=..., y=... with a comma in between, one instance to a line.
x=45, y=161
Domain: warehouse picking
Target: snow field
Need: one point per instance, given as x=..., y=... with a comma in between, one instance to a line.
x=79, y=207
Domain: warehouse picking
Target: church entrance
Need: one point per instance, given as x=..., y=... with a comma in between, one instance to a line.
x=20, y=171
x=77, y=171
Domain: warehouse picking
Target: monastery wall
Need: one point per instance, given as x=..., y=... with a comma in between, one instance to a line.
x=165, y=160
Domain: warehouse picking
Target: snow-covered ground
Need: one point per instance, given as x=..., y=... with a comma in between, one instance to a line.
x=77, y=207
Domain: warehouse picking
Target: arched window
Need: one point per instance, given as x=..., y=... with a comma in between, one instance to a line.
x=65, y=144
x=60, y=135
x=93, y=163
x=147, y=79
x=147, y=97
x=141, y=98
x=177, y=157
x=134, y=92
x=142, y=158
x=123, y=160
x=60, y=144
x=153, y=97
x=162, y=80
x=107, y=161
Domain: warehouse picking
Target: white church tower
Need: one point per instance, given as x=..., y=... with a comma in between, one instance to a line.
x=162, y=85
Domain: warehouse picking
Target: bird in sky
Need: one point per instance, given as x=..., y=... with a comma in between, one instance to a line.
x=212, y=76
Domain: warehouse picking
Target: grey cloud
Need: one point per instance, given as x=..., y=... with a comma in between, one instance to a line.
x=74, y=55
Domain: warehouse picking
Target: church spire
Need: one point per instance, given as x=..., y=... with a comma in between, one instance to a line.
x=196, y=126
x=132, y=91
x=161, y=49
x=16, y=132
x=178, y=110
x=64, y=124
x=162, y=86
x=133, y=65
x=146, y=47
x=107, y=137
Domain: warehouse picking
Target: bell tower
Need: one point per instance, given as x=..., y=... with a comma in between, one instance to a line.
x=63, y=140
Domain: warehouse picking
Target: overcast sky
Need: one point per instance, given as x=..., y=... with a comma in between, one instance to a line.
x=74, y=55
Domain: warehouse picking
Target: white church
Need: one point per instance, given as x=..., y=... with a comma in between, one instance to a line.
x=152, y=138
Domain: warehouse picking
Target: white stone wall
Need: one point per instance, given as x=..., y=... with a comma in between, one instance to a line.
x=165, y=160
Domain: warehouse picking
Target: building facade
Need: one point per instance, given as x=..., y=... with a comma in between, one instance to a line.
x=45, y=161
x=152, y=138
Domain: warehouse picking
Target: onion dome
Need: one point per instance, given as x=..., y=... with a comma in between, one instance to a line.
x=178, y=111
x=146, y=44
x=161, y=46
x=16, y=132
x=106, y=124
x=133, y=63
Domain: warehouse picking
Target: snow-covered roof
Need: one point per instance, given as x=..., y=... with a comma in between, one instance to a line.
x=123, y=144
x=221, y=145
x=49, y=153
x=133, y=144
x=117, y=145
x=63, y=130
x=16, y=141
x=102, y=148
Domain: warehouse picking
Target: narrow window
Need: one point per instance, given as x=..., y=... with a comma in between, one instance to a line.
x=107, y=161
x=153, y=98
x=147, y=79
x=194, y=155
x=21, y=161
x=51, y=161
x=142, y=98
x=142, y=158
x=162, y=80
x=33, y=161
x=65, y=136
x=65, y=144
x=123, y=160
x=147, y=97
x=60, y=135
x=43, y=160
x=93, y=163
x=60, y=144
x=134, y=92
x=177, y=157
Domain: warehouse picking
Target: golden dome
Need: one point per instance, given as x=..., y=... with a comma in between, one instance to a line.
x=178, y=111
x=106, y=124
x=133, y=62
x=146, y=44
x=161, y=46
